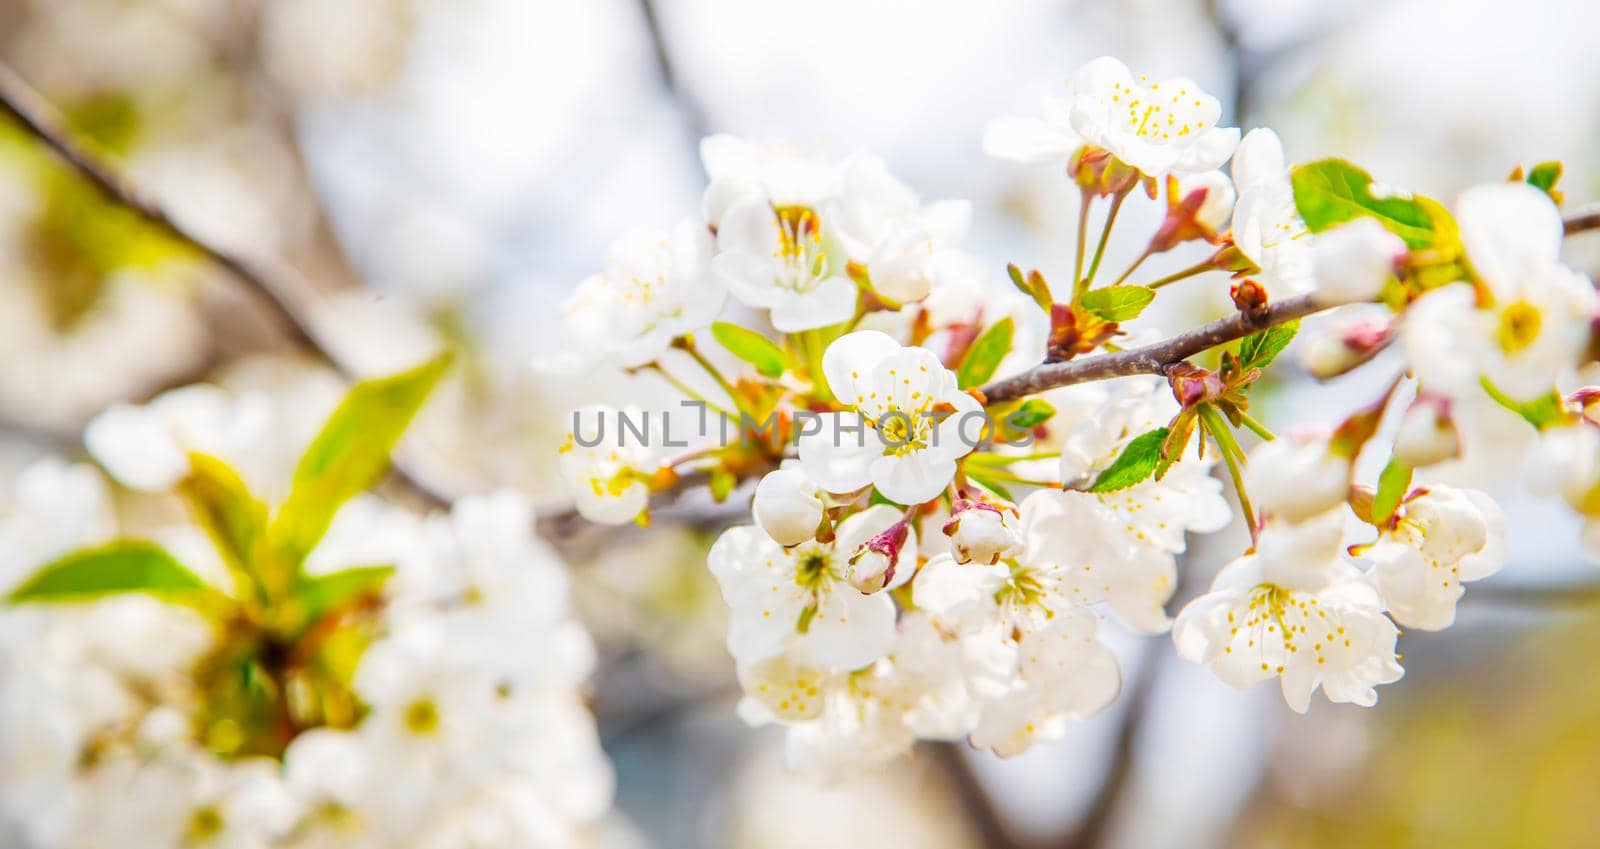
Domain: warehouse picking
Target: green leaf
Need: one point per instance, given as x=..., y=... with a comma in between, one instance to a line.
x=1544, y=177
x=721, y=483
x=322, y=593
x=752, y=347
x=1118, y=303
x=984, y=357
x=1541, y=412
x=1330, y=192
x=1137, y=461
x=1393, y=482
x=1032, y=413
x=124, y=566
x=350, y=453
x=1033, y=285
x=1259, y=349
x=224, y=507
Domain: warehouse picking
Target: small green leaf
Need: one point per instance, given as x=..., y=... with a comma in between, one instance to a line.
x=1330, y=192
x=1541, y=412
x=984, y=357
x=1137, y=462
x=319, y=594
x=752, y=347
x=721, y=484
x=1033, y=285
x=350, y=453
x=1259, y=349
x=1118, y=303
x=124, y=566
x=1393, y=482
x=1544, y=177
x=1032, y=413
x=224, y=507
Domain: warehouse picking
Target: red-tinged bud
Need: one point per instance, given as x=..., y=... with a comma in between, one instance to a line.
x=1251, y=299
x=1587, y=399
x=872, y=565
x=1427, y=433
x=1230, y=258
x=1196, y=209
x=1348, y=346
x=1193, y=385
x=1098, y=172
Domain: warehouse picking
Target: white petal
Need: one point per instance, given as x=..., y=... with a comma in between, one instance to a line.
x=850, y=630
x=1029, y=140
x=839, y=456
x=1509, y=230
x=832, y=301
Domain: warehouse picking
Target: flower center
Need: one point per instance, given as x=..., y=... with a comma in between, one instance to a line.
x=1519, y=326
x=802, y=261
x=1157, y=115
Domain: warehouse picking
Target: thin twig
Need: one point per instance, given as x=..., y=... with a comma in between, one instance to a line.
x=974, y=799
x=44, y=122
x=1151, y=359
x=1582, y=220
x=694, y=117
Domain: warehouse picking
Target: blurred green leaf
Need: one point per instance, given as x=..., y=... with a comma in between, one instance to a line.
x=1544, y=177
x=1393, y=483
x=1541, y=412
x=350, y=453
x=1032, y=413
x=1118, y=303
x=984, y=357
x=224, y=507
x=1330, y=192
x=752, y=347
x=124, y=566
x=322, y=593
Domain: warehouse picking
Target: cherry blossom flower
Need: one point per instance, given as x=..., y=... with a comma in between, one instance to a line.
x=1353, y=261
x=1267, y=227
x=656, y=287
x=788, y=506
x=1525, y=326
x=1437, y=540
x=1170, y=125
x=803, y=596
x=907, y=421
x=608, y=478
x=1295, y=611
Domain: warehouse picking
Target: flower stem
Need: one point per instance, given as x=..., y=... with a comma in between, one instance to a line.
x=1198, y=268
x=1083, y=238
x=691, y=391
x=1257, y=427
x=1232, y=455
x=993, y=459
x=1130, y=269
x=1100, y=249
x=689, y=346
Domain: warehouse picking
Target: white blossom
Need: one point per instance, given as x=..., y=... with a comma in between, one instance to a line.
x=656, y=287
x=609, y=477
x=788, y=506
x=1297, y=476
x=1435, y=542
x=1525, y=327
x=1267, y=227
x=1353, y=261
x=905, y=426
x=1170, y=125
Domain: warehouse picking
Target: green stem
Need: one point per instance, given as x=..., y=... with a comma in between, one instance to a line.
x=1198, y=268
x=1008, y=477
x=1100, y=249
x=992, y=459
x=712, y=370
x=1257, y=427
x=1232, y=455
x=811, y=349
x=1130, y=269
x=1083, y=238
x=691, y=391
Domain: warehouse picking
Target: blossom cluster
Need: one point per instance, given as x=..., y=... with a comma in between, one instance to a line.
x=907, y=578
x=336, y=672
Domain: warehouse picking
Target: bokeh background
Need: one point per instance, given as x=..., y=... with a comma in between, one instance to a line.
x=427, y=171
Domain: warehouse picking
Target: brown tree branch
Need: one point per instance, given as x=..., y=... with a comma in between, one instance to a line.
x=45, y=123
x=1150, y=359
x=1581, y=221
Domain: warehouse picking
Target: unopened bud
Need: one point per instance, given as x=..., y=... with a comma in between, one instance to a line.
x=1250, y=298
x=1341, y=350
x=979, y=532
x=788, y=506
x=1198, y=205
x=872, y=566
x=1427, y=434
x=1192, y=385
x=1353, y=261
